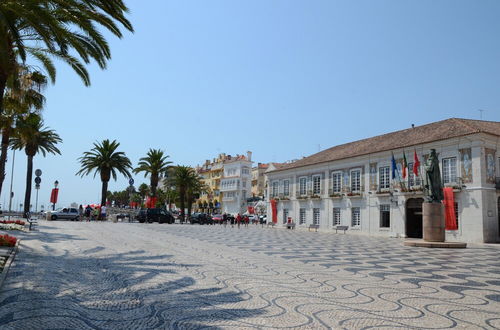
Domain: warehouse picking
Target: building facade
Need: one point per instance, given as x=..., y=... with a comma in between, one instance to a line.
x=235, y=184
x=353, y=185
x=211, y=173
x=258, y=180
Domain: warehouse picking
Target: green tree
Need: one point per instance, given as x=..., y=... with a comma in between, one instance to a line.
x=155, y=165
x=105, y=160
x=143, y=190
x=65, y=30
x=23, y=95
x=188, y=184
x=31, y=136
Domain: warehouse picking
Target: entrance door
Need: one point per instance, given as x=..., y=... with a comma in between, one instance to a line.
x=414, y=218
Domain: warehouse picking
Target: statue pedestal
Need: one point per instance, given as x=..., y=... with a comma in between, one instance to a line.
x=433, y=222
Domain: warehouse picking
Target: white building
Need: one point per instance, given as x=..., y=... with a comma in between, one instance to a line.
x=351, y=184
x=236, y=184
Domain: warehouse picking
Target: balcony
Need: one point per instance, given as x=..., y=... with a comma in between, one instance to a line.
x=228, y=199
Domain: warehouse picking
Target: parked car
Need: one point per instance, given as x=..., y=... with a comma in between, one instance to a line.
x=263, y=219
x=69, y=213
x=217, y=218
x=154, y=215
x=201, y=218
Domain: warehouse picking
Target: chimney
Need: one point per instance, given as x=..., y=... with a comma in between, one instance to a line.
x=249, y=156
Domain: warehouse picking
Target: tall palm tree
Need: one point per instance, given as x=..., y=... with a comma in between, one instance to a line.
x=105, y=160
x=155, y=165
x=31, y=136
x=182, y=178
x=23, y=95
x=65, y=30
x=143, y=190
x=195, y=188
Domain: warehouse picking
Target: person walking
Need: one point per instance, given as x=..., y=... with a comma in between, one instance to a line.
x=80, y=212
x=88, y=212
x=238, y=220
x=246, y=220
x=224, y=219
x=103, y=212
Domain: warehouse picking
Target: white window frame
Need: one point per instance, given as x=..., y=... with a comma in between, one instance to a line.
x=336, y=182
x=286, y=187
x=275, y=189
x=316, y=185
x=302, y=216
x=449, y=169
x=336, y=216
x=385, y=208
x=303, y=179
x=384, y=178
x=316, y=215
x=356, y=217
x=355, y=182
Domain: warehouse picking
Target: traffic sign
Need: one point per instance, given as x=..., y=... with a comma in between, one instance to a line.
x=38, y=180
x=38, y=172
x=131, y=182
x=37, y=186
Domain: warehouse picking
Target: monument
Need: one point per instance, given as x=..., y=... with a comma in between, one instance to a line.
x=432, y=208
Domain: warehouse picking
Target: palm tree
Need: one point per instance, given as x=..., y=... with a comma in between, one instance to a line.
x=195, y=188
x=22, y=96
x=182, y=177
x=65, y=30
x=155, y=165
x=31, y=136
x=143, y=190
x=105, y=160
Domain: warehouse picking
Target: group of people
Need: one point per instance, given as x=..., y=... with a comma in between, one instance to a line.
x=88, y=213
x=238, y=220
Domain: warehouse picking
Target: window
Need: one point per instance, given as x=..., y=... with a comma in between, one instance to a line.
x=316, y=184
x=336, y=182
x=302, y=186
x=275, y=187
x=355, y=180
x=285, y=215
x=316, y=216
x=302, y=216
x=244, y=183
x=385, y=216
x=456, y=213
x=384, y=181
x=450, y=170
x=336, y=216
x=286, y=187
x=356, y=217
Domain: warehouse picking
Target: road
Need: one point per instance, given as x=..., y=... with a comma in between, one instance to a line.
x=150, y=276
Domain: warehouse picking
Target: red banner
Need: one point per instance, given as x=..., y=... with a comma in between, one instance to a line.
x=151, y=202
x=449, y=209
x=251, y=210
x=53, y=195
x=274, y=210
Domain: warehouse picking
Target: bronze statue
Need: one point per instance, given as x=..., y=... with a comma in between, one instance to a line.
x=433, y=188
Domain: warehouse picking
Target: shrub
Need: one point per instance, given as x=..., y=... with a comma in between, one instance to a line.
x=6, y=240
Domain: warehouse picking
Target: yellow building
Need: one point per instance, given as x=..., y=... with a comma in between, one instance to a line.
x=211, y=172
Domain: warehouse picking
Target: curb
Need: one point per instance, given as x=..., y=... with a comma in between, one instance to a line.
x=6, y=267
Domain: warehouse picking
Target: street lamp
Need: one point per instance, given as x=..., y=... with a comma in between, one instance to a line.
x=54, y=200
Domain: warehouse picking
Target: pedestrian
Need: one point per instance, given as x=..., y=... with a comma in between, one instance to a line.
x=96, y=213
x=103, y=212
x=88, y=212
x=224, y=219
x=80, y=212
x=238, y=220
x=246, y=219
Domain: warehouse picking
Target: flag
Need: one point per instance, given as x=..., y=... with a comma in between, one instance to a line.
x=416, y=163
x=449, y=209
x=394, y=167
x=405, y=165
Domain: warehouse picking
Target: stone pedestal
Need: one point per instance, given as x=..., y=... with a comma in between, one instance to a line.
x=433, y=222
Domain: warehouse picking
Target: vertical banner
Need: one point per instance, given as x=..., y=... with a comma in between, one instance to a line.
x=449, y=209
x=53, y=195
x=274, y=210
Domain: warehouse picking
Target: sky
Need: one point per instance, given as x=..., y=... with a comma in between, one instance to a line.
x=281, y=78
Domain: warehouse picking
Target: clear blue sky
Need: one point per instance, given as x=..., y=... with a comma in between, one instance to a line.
x=279, y=78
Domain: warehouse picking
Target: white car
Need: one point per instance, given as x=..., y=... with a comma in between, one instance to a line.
x=69, y=213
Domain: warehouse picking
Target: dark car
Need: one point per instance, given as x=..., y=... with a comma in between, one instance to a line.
x=155, y=215
x=201, y=218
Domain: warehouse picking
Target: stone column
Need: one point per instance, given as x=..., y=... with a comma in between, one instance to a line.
x=433, y=222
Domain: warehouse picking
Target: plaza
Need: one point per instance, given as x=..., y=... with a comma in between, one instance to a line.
x=147, y=276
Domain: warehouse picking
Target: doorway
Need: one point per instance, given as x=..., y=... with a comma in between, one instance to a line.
x=414, y=227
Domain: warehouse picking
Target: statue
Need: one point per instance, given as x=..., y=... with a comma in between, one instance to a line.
x=433, y=189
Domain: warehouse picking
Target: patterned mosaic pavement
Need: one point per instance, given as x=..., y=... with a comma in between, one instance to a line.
x=151, y=276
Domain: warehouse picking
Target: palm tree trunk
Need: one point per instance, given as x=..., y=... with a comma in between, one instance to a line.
x=190, y=203
x=182, y=195
x=27, y=195
x=3, y=153
x=104, y=190
x=154, y=184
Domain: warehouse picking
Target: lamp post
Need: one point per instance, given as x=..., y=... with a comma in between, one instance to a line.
x=54, y=200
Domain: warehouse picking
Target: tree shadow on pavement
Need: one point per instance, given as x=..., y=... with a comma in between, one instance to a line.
x=97, y=289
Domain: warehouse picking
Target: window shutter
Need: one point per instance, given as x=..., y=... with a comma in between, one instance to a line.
x=297, y=187
x=322, y=183
x=309, y=184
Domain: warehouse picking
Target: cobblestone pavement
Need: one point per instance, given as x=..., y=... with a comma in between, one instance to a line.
x=150, y=276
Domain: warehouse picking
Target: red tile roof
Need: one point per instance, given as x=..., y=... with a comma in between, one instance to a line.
x=441, y=130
